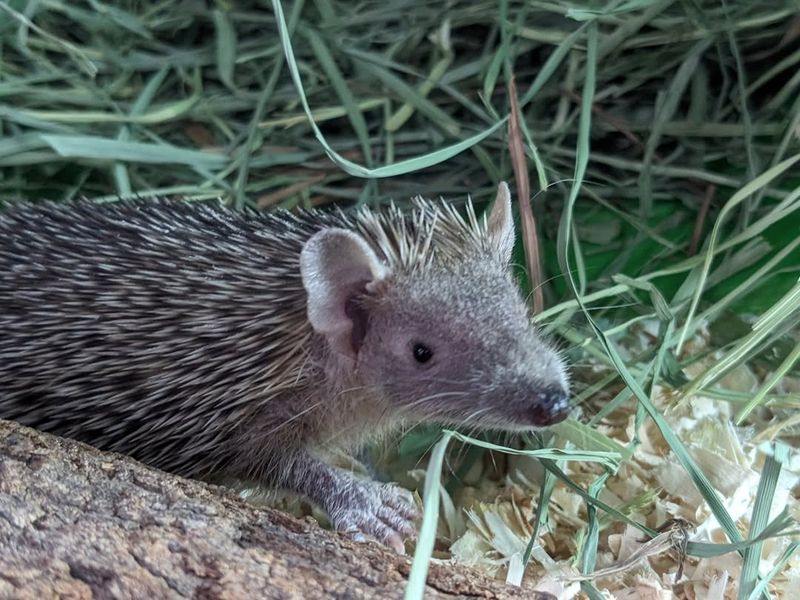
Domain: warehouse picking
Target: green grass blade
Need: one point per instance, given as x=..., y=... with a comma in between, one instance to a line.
x=542, y=512
x=782, y=525
x=588, y=550
x=412, y=97
x=226, y=47
x=161, y=114
x=761, y=587
x=609, y=460
x=551, y=64
x=769, y=383
x=785, y=312
x=91, y=147
x=337, y=81
x=139, y=106
x=777, y=456
x=415, y=589
x=404, y=113
x=586, y=437
x=665, y=111
x=751, y=187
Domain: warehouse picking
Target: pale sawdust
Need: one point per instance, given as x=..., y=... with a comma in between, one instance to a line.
x=488, y=524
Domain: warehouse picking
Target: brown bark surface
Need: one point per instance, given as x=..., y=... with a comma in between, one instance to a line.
x=79, y=523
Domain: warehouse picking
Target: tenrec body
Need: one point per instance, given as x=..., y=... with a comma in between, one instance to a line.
x=213, y=343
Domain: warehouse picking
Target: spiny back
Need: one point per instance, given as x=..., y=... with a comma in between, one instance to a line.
x=160, y=319
x=430, y=232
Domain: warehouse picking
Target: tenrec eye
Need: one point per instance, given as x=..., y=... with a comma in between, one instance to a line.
x=422, y=353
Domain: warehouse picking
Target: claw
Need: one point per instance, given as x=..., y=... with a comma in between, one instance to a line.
x=368, y=510
x=395, y=542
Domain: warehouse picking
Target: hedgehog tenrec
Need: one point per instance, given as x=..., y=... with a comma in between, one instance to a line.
x=216, y=343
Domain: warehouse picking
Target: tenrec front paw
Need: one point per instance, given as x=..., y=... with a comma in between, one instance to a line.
x=367, y=510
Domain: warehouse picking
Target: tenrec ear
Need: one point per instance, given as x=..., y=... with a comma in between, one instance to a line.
x=500, y=224
x=336, y=265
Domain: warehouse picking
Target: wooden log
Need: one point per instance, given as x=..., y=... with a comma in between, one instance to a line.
x=79, y=523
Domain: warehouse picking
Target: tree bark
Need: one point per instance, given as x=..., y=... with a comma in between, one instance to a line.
x=79, y=523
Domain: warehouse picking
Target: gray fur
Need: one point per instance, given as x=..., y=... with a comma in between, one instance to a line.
x=181, y=334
